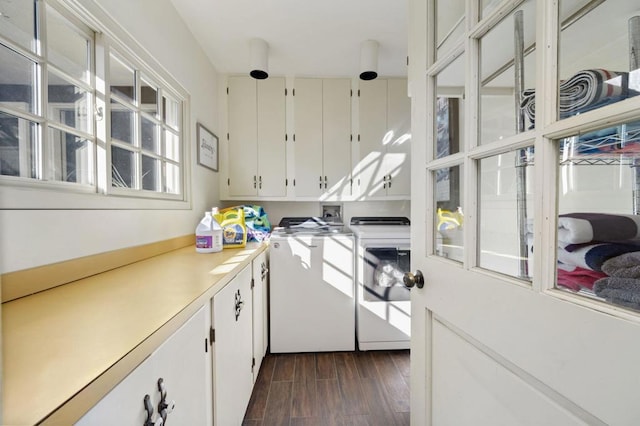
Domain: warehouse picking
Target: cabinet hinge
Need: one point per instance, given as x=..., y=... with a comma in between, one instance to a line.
x=407, y=61
x=286, y=182
x=285, y=91
x=358, y=92
x=350, y=138
x=212, y=335
x=351, y=93
x=227, y=90
x=294, y=182
x=253, y=363
x=206, y=345
x=293, y=91
x=286, y=137
x=253, y=283
x=358, y=137
x=227, y=136
x=294, y=137
x=228, y=181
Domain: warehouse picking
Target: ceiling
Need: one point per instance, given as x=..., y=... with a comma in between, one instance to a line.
x=319, y=38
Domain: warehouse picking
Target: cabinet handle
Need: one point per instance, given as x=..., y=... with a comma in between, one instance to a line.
x=238, y=304
x=254, y=181
x=325, y=182
x=389, y=181
x=320, y=182
x=149, y=410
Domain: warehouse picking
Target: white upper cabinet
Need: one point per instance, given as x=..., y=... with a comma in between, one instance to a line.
x=256, y=137
x=383, y=168
x=322, y=141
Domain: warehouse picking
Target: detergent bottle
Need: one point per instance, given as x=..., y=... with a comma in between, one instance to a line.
x=208, y=235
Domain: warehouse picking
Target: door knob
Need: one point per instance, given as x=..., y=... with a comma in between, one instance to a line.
x=411, y=279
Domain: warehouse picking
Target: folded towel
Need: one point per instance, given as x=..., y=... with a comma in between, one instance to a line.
x=624, y=266
x=578, y=278
x=622, y=289
x=577, y=228
x=593, y=256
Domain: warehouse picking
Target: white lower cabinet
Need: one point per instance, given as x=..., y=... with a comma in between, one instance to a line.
x=182, y=364
x=233, y=349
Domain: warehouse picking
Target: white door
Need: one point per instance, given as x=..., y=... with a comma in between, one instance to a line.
x=243, y=134
x=271, y=149
x=307, y=137
x=336, y=136
x=496, y=338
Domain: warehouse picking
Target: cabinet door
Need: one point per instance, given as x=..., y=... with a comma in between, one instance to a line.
x=336, y=136
x=243, y=136
x=308, y=137
x=233, y=349
x=260, y=291
x=373, y=130
x=397, y=157
x=181, y=362
x=271, y=154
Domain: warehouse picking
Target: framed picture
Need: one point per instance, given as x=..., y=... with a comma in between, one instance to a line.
x=207, y=148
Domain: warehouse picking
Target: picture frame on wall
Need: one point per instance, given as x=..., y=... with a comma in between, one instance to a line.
x=207, y=148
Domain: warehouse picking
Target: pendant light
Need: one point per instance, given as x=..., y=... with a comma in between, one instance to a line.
x=259, y=59
x=369, y=60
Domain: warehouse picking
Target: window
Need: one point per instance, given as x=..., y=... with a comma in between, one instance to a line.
x=52, y=116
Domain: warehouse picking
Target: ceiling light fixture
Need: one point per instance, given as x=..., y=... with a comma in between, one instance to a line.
x=369, y=60
x=259, y=59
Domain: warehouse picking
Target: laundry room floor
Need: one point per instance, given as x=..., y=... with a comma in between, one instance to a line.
x=331, y=388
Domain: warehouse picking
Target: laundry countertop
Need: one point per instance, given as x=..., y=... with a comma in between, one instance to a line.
x=65, y=348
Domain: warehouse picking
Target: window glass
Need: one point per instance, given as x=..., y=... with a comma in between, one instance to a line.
x=172, y=149
x=121, y=79
x=17, y=75
x=18, y=148
x=68, y=48
x=505, y=217
x=17, y=22
x=123, y=168
x=149, y=97
x=68, y=104
x=507, y=73
x=172, y=112
x=450, y=109
x=597, y=70
x=449, y=219
x=151, y=178
x=173, y=181
x=72, y=157
x=450, y=16
x=122, y=123
x=598, y=220
x=150, y=133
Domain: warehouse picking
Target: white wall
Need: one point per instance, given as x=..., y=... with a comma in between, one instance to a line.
x=36, y=237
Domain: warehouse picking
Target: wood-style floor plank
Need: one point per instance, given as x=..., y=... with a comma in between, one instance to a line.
x=331, y=389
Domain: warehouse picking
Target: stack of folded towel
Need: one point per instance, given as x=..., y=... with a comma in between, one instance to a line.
x=591, y=249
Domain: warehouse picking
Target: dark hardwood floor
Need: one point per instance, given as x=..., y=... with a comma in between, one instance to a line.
x=333, y=388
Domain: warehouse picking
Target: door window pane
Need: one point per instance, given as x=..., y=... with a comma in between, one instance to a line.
x=597, y=70
x=17, y=22
x=598, y=221
x=450, y=21
x=449, y=219
x=68, y=48
x=17, y=74
x=450, y=109
x=151, y=173
x=122, y=123
x=71, y=157
x=123, y=168
x=18, y=149
x=121, y=79
x=506, y=215
x=68, y=104
x=506, y=72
